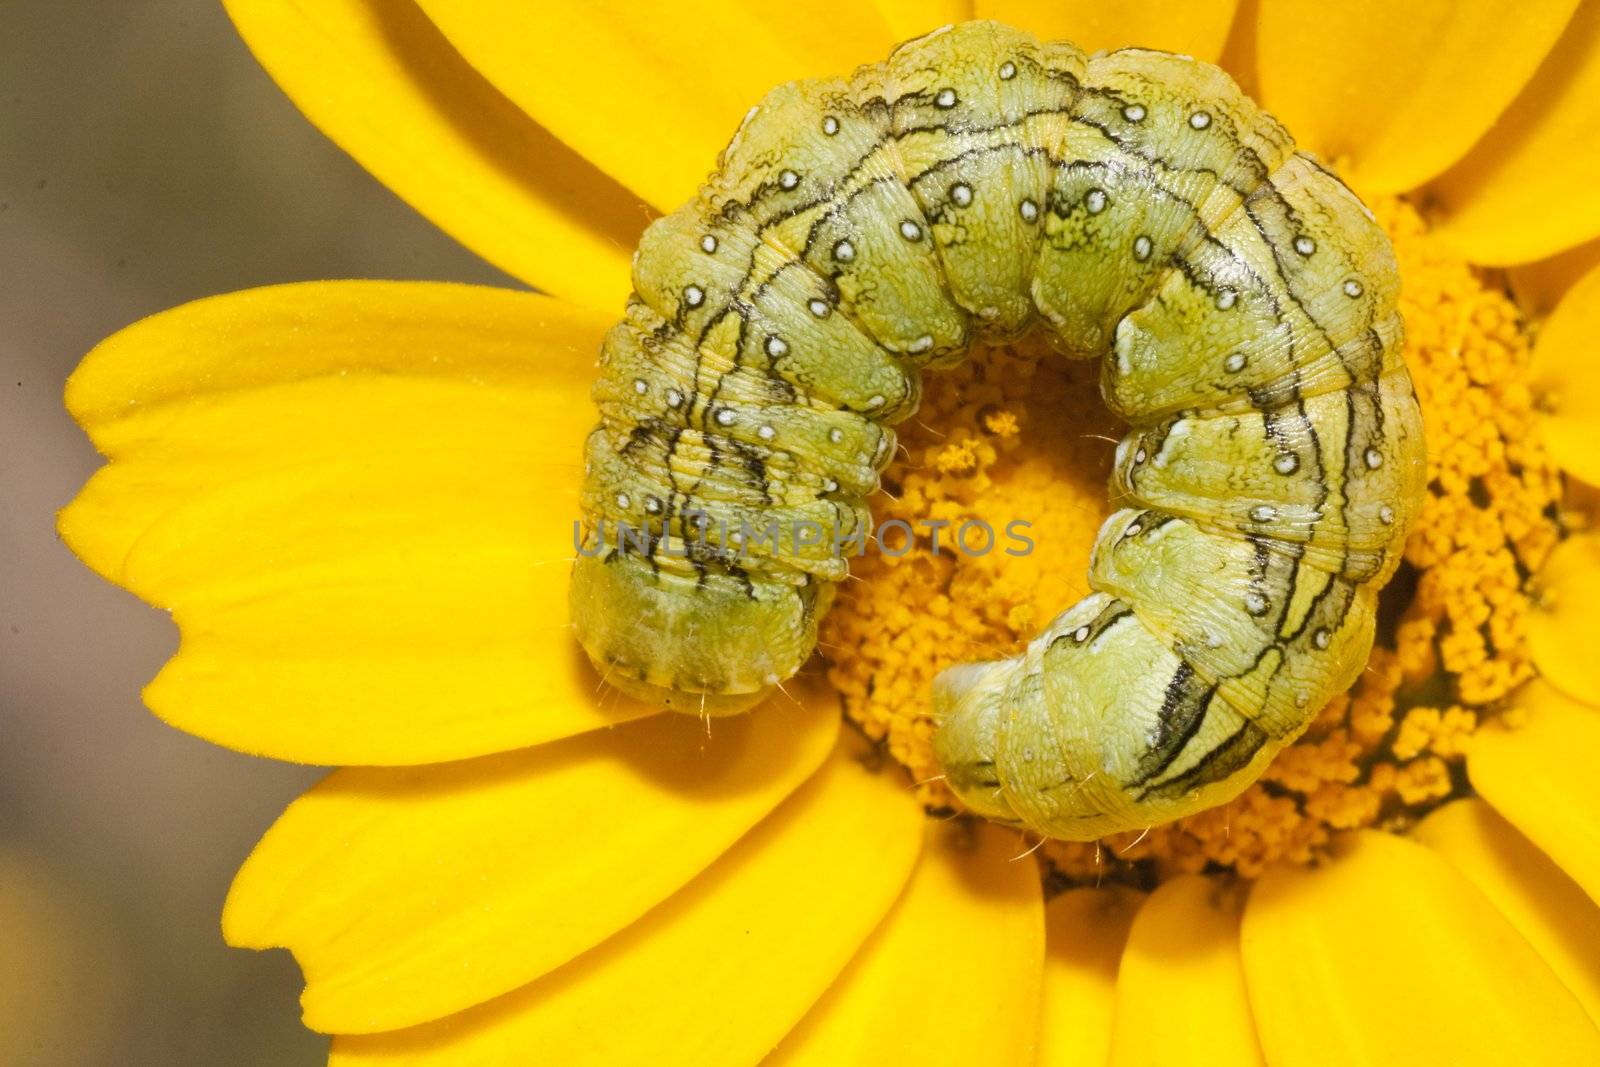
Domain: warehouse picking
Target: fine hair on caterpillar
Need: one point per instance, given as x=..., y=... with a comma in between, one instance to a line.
x=1134, y=207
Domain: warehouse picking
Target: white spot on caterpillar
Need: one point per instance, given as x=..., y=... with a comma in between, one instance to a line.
x=830, y=125
x=641, y=386
x=1029, y=210
x=920, y=345
x=1226, y=299
x=1373, y=459
x=910, y=230
x=1352, y=289
x=945, y=99
x=1096, y=201
x=961, y=194
x=1287, y=463
x=1255, y=604
x=1140, y=456
x=819, y=308
x=1263, y=513
x=766, y=433
x=1134, y=112
x=875, y=401
x=835, y=435
x=1386, y=515
x=674, y=398
x=1081, y=634
x=1008, y=70
x=652, y=504
x=624, y=501
x=1200, y=120
x=788, y=179
x=1234, y=363
x=777, y=347
x=708, y=244
x=726, y=417
x=1142, y=247
x=694, y=296
x=843, y=250
x=1304, y=245
x=1321, y=639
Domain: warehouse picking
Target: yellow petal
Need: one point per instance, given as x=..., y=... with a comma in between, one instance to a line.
x=1526, y=190
x=1197, y=29
x=1565, y=377
x=1181, y=989
x=1546, y=907
x=281, y=334
x=1387, y=954
x=1239, y=51
x=1562, y=623
x=912, y=18
x=718, y=972
x=1086, y=930
x=1541, y=777
x=410, y=894
x=1541, y=285
x=378, y=78
x=357, y=499
x=1402, y=90
x=973, y=913
x=650, y=93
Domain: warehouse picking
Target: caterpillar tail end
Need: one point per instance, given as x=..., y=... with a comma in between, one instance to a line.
x=711, y=644
x=967, y=707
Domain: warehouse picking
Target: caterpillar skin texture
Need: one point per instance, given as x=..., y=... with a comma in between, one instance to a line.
x=1137, y=207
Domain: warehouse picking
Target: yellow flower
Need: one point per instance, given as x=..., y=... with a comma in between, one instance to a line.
x=355, y=498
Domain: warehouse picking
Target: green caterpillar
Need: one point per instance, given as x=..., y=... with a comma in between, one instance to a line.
x=980, y=183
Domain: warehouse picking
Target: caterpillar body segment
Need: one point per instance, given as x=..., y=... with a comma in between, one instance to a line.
x=976, y=185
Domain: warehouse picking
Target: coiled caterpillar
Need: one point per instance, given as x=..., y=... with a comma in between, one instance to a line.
x=979, y=182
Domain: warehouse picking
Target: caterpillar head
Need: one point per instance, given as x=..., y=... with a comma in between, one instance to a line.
x=966, y=705
x=704, y=644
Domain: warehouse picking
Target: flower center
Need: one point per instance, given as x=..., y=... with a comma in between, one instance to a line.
x=1012, y=451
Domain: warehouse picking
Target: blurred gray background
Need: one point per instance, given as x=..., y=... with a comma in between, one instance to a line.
x=145, y=160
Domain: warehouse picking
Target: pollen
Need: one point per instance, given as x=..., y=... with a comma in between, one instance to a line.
x=1018, y=438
